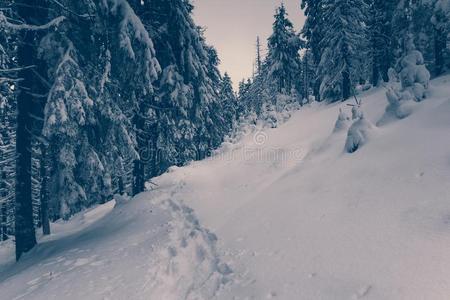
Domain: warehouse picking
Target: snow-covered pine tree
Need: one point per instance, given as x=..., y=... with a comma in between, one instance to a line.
x=216, y=122
x=244, y=86
x=136, y=81
x=345, y=44
x=110, y=122
x=308, y=75
x=173, y=140
x=7, y=169
x=95, y=70
x=381, y=39
x=190, y=79
x=8, y=94
x=416, y=17
x=68, y=112
x=7, y=166
x=313, y=31
x=175, y=129
x=278, y=86
x=229, y=101
x=426, y=37
x=441, y=23
x=414, y=76
x=259, y=59
x=283, y=62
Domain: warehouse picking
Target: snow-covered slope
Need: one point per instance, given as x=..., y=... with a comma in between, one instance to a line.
x=138, y=249
x=300, y=219
x=296, y=217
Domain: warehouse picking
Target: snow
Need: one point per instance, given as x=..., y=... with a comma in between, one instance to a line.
x=139, y=249
x=283, y=213
x=55, y=22
x=358, y=134
x=313, y=222
x=131, y=27
x=342, y=122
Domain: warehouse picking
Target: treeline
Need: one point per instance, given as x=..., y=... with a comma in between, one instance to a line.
x=97, y=97
x=345, y=45
x=277, y=86
x=358, y=41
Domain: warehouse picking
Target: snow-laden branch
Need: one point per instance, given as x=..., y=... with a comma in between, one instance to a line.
x=54, y=22
x=16, y=69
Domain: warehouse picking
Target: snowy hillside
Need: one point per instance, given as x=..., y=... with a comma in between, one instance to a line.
x=284, y=213
x=300, y=219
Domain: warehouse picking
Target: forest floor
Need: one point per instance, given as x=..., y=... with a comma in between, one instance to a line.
x=289, y=215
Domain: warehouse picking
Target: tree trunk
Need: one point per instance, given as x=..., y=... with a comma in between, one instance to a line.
x=24, y=227
x=138, y=180
x=375, y=72
x=4, y=226
x=440, y=40
x=346, y=85
x=44, y=191
x=31, y=12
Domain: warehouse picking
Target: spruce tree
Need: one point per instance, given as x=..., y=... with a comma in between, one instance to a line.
x=441, y=23
x=313, y=31
x=415, y=17
x=381, y=39
x=8, y=94
x=106, y=85
x=345, y=44
x=283, y=62
x=228, y=101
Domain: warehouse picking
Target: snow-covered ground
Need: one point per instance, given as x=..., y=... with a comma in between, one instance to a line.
x=298, y=218
x=295, y=217
x=138, y=249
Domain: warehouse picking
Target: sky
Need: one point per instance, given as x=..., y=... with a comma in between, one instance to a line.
x=233, y=25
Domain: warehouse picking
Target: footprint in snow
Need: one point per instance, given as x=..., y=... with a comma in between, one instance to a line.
x=81, y=262
x=364, y=291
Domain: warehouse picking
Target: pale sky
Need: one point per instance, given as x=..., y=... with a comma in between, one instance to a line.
x=232, y=27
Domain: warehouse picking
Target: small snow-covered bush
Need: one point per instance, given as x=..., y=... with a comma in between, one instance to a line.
x=414, y=79
x=269, y=116
x=414, y=76
x=399, y=104
x=121, y=199
x=358, y=134
x=342, y=123
x=356, y=112
x=364, y=87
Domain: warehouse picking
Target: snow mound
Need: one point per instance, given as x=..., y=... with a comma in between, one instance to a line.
x=342, y=123
x=358, y=134
x=415, y=80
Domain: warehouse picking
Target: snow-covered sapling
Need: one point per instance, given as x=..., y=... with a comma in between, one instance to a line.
x=358, y=134
x=414, y=76
x=342, y=122
x=414, y=79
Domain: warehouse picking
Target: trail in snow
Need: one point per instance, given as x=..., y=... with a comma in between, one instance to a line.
x=148, y=248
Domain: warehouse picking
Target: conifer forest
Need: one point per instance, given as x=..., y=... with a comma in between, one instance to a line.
x=138, y=160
